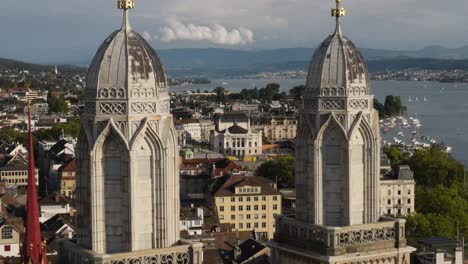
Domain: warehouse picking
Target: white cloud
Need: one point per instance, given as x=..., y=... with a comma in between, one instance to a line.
x=216, y=33
x=146, y=35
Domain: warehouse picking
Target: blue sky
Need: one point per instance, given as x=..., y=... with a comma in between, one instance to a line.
x=66, y=31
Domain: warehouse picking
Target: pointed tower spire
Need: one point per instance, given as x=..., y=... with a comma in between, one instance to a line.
x=338, y=12
x=125, y=5
x=34, y=250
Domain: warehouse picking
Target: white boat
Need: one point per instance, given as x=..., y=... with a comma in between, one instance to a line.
x=409, y=99
x=401, y=134
x=417, y=99
x=425, y=99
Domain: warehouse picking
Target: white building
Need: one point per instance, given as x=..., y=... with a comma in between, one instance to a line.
x=191, y=127
x=191, y=221
x=9, y=240
x=197, y=130
x=53, y=205
x=397, y=192
x=233, y=136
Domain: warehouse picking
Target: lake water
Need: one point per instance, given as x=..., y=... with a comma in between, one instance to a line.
x=444, y=116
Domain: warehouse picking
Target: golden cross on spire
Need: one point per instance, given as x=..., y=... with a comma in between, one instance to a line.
x=338, y=11
x=126, y=4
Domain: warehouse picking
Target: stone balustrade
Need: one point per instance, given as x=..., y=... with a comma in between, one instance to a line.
x=334, y=241
x=183, y=253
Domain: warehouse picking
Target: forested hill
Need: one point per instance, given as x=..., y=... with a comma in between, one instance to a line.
x=9, y=64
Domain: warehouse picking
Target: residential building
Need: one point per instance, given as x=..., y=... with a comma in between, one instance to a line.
x=67, y=174
x=53, y=205
x=191, y=127
x=9, y=239
x=249, y=203
x=338, y=217
x=233, y=136
x=245, y=107
x=15, y=172
x=38, y=109
x=277, y=128
x=397, y=192
x=59, y=226
x=52, y=156
x=206, y=126
x=196, y=176
x=191, y=221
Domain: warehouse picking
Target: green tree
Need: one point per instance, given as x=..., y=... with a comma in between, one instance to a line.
x=380, y=108
x=392, y=106
x=220, y=94
x=281, y=169
x=441, y=202
x=297, y=91
x=57, y=105
x=434, y=167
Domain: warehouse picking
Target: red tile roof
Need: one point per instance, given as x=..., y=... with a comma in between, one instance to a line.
x=70, y=166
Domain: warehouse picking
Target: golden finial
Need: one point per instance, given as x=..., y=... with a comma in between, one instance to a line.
x=338, y=11
x=126, y=4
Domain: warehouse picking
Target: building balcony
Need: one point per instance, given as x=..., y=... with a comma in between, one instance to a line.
x=183, y=252
x=335, y=241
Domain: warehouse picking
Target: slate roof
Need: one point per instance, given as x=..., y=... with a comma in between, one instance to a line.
x=248, y=249
x=228, y=188
x=337, y=63
x=404, y=173
x=237, y=130
x=54, y=199
x=15, y=163
x=57, y=221
x=232, y=117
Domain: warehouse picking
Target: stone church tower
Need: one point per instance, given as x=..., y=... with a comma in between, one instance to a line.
x=338, y=151
x=337, y=171
x=127, y=160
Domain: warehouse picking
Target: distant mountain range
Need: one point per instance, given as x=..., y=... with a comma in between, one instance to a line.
x=214, y=62
x=224, y=62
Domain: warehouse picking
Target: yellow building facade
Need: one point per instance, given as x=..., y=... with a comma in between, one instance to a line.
x=68, y=179
x=277, y=129
x=249, y=203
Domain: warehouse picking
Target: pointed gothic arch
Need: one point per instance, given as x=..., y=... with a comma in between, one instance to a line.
x=82, y=190
x=334, y=174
